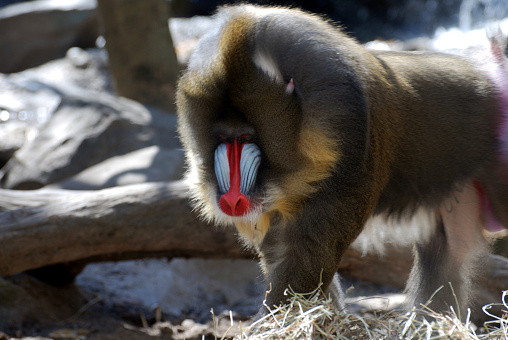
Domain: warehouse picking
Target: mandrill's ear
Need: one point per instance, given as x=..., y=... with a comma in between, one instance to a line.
x=290, y=88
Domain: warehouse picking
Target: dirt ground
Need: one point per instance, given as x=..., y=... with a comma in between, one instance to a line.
x=34, y=310
x=31, y=309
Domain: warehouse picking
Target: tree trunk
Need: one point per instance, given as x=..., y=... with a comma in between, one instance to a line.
x=140, y=48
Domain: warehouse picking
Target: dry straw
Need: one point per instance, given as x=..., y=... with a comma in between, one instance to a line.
x=310, y=316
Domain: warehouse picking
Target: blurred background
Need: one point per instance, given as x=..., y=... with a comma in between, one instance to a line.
x=87, y=103
x=367, y=20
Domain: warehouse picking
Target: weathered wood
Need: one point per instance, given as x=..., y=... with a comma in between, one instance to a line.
x=49, y=226
x=394, y=266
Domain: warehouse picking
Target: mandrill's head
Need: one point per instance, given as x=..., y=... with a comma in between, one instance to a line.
x=254, y=116
x=238, y=166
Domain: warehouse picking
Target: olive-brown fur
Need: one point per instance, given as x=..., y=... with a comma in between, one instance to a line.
x=363, y=133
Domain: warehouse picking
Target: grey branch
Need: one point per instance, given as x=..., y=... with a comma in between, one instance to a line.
x=51, y=226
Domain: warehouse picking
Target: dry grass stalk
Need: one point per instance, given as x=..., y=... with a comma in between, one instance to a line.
x=311, y=316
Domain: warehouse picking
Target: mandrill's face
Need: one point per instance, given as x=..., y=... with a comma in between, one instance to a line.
x=253, y=158
x=240, y=185
x=237, y=189
x=236, y=163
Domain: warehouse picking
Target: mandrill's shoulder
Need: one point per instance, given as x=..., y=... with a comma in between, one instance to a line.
x=283, y=43
x=280, y=24
x=266, y=28
x=231, y=22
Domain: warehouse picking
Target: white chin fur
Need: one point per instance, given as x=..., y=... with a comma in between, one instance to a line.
x=224, y=219
x=381, y=230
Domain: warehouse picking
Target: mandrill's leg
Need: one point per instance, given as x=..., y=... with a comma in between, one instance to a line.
x=335, y=291
x=452, y=256
x=305, y=255
x=303, y=265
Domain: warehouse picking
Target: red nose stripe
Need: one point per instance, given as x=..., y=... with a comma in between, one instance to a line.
x=234, y=203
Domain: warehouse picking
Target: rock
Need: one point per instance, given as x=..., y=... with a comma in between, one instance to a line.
x=29, y=98
x=33, y=95
x=181, y=288
x=151, y=164
x=79, y=70
x=110, y=300
x=82, y=132
x=14, y=134
x=79, y=88
x=38, y=31
x=26, y=100
x=375, y=304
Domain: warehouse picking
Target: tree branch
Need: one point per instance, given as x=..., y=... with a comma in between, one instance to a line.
x=49, y=226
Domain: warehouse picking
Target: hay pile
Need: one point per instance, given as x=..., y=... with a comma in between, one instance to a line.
x=310, y=316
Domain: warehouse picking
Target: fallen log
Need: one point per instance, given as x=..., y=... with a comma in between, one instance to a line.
x=53, y=226
x=50, y=226
x=394, y=266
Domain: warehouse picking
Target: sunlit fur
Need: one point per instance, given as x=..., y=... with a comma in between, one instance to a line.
x=320, y=154
x=381, y=230
x=265, y=63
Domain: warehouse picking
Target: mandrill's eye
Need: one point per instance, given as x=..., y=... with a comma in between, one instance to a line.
x=223, y=138
x=245, y=139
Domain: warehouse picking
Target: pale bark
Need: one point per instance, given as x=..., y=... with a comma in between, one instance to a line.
x=50, y=226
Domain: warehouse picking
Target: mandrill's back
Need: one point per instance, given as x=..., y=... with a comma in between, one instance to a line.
x=445, y=111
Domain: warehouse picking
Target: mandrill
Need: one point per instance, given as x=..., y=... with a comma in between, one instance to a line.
x=301, y=138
